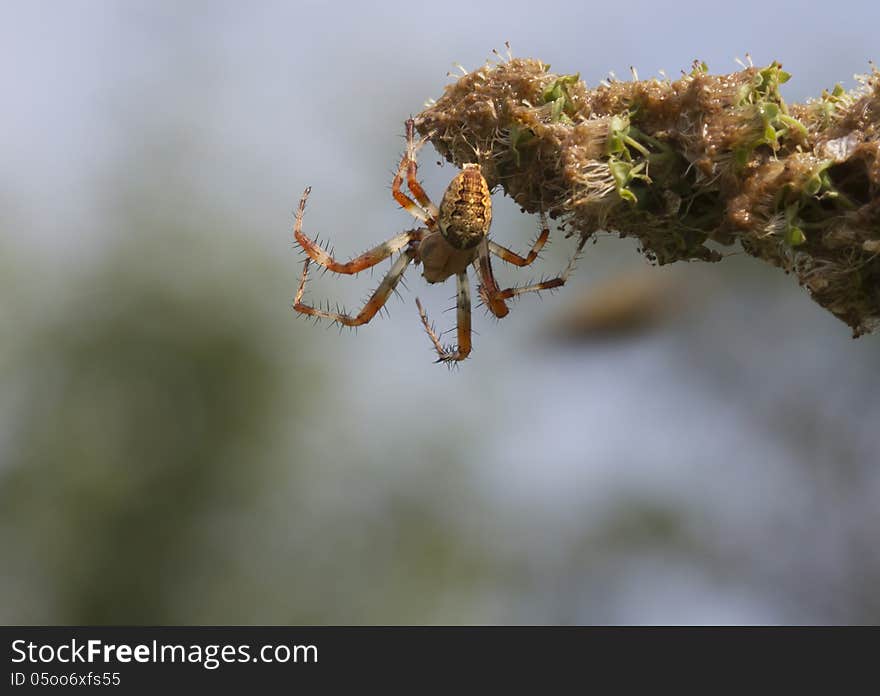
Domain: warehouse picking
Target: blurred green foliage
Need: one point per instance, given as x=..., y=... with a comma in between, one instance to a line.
x=139, y=415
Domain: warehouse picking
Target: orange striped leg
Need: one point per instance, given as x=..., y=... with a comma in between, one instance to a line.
x=514, y=258
x=356, y=265
x=488, y=288
x=424, y=210
x=412, y=168
x=557, y=282
x=464, y=324
x=373, y=305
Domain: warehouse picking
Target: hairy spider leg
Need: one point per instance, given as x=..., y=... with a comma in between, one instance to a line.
x=550, y=284
x=512, y=257
x=412, y=168
x=373, y=305
x=488, y=288
x=358, y=264
x=424, y=210
x=463, y=324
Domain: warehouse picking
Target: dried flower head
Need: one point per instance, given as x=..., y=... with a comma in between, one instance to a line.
x=687, y=163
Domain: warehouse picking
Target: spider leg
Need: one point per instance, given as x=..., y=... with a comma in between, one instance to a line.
x=464, y=324
x=514, y=258
x=412, y=168
x=488, y=288
x=358, y=264
x=373, y=305
x=424, y=210
x=550, y=284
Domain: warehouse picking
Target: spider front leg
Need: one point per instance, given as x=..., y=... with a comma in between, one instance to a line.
x=373, y=305
x=514, y=258
x=364, y=261
x=501, y=295
x=424, y=210
x=488, y=288
x=464, y=324
x=489, y=291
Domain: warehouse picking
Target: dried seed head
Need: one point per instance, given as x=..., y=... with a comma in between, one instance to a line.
x=680, y=165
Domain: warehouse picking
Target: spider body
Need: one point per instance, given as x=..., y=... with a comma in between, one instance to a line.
x=454, y=236
x=466, y=209
x=463, y=222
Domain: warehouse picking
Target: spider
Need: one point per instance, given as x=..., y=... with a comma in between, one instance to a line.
x=452, y=237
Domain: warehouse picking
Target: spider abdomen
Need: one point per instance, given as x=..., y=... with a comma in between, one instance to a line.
x=466, y=209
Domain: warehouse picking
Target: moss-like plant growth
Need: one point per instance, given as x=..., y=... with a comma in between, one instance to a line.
x=682, y=164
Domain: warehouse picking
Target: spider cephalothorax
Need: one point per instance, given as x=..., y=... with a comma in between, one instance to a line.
x=454, y=236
